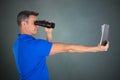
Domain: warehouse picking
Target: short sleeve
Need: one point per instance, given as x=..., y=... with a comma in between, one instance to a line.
x=39, y=47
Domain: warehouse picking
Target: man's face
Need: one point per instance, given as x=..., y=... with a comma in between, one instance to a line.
x=31, y=28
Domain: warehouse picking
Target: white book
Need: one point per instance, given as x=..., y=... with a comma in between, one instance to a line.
x=104, y=34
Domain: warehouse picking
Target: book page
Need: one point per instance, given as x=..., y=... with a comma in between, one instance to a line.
x=104, y=34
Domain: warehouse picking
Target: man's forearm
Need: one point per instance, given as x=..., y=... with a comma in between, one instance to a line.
x=49, y=37
x=48, y=34
x=84, y=49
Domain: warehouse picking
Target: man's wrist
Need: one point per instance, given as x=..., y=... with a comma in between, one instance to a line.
x=49, y=37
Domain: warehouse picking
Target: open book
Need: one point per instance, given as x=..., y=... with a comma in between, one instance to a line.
x=104, y=34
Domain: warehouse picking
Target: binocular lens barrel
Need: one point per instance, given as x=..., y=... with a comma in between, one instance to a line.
x=44, y=23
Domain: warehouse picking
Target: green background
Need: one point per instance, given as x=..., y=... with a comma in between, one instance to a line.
x=78, y=22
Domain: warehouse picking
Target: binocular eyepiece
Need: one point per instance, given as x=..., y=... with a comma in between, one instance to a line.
x=44, y=23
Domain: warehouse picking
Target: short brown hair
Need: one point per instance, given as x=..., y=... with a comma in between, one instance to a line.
x=23, y=15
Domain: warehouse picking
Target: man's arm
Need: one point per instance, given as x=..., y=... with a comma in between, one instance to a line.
x=48, y=34
x=75, y=48
x=72, y=48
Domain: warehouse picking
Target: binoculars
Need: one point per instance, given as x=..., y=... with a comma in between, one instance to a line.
x=44, y=23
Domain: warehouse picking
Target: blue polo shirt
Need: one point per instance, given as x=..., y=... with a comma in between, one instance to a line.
x=30, y=56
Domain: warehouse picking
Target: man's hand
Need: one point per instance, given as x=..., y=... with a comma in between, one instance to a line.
x=103, y=48
x=48, y=32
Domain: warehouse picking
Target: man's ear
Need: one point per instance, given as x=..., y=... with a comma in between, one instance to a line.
x=23, y=23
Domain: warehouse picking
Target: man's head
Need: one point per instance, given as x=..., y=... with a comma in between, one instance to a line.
x=26, y=19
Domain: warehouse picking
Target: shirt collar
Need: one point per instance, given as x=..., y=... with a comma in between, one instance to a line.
x=24, y=36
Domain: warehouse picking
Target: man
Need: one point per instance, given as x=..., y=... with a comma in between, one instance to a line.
x=30, y=53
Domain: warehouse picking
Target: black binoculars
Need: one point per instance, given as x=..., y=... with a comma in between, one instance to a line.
x=44, y=23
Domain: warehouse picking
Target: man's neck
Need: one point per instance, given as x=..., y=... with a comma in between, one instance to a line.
x=25, y=32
